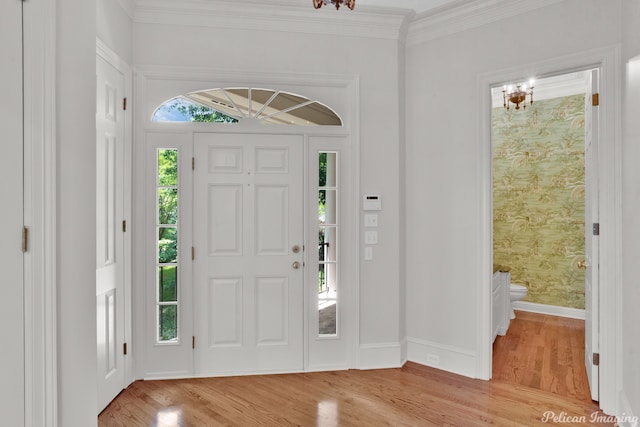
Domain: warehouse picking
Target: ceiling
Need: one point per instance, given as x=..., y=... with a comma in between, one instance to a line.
x=418, y=6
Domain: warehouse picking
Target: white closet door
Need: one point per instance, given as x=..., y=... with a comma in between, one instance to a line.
x=592, y=298
x=12, y=399
x=110, y=301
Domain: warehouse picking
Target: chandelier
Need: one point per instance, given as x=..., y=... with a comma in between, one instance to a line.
x=517, y=96
x=351, y=4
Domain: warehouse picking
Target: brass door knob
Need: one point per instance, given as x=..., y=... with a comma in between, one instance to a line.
x=296, y=265
x=582, y=264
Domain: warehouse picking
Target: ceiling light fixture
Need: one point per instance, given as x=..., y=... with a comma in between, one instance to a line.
x=517, y=96
x=351, y=4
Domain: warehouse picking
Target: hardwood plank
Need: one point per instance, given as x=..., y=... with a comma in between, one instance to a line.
x=538, y=369
x=544, y=352
x=409, y=396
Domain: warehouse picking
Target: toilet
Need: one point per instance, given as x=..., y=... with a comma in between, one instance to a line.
x=516, y=293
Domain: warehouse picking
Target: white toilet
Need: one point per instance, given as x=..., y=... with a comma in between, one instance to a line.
x=516, y=293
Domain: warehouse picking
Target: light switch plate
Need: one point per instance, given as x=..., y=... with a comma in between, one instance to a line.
x=370, y=220
x=370, y=237
x=368, y=253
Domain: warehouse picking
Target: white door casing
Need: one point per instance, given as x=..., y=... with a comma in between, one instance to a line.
x=12, y=370
x=248, y=278
x=592, y=312
x=110, y=262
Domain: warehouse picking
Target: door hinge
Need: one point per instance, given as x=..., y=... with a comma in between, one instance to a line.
x=193, y=253
x=193, y=342
x=596, y=228
x=124, y=349
x=25, y=239
x=596, y=359
x=595, y=99
x=124, y=225
x=124, y=104
x=193, y=163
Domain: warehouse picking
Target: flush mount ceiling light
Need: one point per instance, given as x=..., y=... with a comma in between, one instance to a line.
x=517, y=96
x=349, y=3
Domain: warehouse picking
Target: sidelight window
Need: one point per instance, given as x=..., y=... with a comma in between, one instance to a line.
x=328, y=232
x=167, y=210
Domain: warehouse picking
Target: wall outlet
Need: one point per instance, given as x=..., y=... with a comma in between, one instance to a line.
x=433, y=359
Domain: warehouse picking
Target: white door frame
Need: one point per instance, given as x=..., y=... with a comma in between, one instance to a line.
x=183, y=80
x=609, y=155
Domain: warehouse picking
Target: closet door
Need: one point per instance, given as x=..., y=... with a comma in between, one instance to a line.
x=11, y=196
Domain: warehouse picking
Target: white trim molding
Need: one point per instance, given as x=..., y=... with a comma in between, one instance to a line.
x=550, y=310
x=449, y=358
x=607, y=60
x=468, y=15
x=294, y=16
x=380, y=356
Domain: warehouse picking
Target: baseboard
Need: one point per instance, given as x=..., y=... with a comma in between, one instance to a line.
x=627, y=418
x=380, y=356
x=448, y=358
x=551, y=310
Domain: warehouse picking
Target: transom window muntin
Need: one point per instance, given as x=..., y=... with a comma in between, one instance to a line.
x=235, y=104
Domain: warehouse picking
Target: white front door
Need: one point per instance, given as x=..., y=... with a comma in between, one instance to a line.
x=12, y=399
x=592, y=312
x=110, y=86
x=248, y=247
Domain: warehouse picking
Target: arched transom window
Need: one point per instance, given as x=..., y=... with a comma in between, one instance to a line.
x=232, y=105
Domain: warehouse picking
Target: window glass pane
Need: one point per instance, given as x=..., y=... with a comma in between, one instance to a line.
x=168, y=321
x=327, y=316
x=327, y=208
x=327, y=166
x=168, y=283
x=327, y=244
x=185, y=110
x=167, y=206
x=167, y=245
x=167, y=167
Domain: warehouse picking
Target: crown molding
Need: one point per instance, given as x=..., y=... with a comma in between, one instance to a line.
x=278, y=15
x=128, y=6
x=468, y=15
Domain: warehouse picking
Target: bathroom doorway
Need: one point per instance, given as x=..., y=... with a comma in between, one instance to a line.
x=544, y=202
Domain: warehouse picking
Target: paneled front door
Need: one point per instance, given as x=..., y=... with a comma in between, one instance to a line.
x=248, y=250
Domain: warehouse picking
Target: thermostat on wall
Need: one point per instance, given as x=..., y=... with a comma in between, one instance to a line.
x=371, y=203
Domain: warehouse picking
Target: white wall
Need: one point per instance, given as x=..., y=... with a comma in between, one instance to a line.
x=115, y=28
x=375, y=62
x=75, y=125
x=443, y=281
x=631, y=208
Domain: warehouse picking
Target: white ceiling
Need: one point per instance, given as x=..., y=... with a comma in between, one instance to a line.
x=418, y=5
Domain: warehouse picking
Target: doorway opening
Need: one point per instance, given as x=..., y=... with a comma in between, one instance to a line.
x=544, y=199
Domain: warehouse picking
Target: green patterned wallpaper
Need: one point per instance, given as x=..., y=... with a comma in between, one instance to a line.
x=538, y=198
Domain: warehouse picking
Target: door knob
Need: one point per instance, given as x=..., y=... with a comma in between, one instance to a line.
x=295, y=249
x=582, y=264
x=296, y=265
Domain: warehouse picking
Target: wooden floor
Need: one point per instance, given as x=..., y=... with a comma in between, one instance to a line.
x=414, y=395
x=543, y=352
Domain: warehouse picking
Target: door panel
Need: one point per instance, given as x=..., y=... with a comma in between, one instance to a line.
x=12, y=393
x=109, y=236
x=248, y=214
x=592, y=311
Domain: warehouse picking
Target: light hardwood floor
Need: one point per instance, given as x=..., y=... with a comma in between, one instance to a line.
x=413, y=395
x=543, y=352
